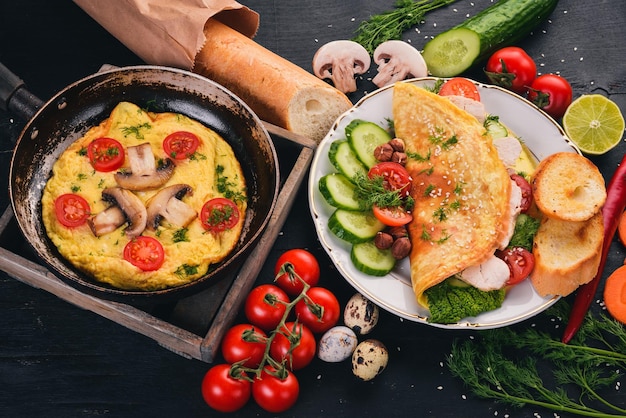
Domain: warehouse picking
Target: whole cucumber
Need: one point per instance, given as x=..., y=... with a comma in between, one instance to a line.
x=506, y=22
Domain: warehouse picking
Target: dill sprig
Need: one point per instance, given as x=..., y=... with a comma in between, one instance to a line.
x=575, y=372
x=371, y=192
x=391, y=24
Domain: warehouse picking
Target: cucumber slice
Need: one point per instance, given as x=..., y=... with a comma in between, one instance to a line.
x=364, y=137
x=496, y=129
x=345, y=160
x=451, y=52
x=371, y=260
x=354, y=226
x=338, y=191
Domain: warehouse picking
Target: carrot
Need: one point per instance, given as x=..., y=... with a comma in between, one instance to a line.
x=621, y=228
x=615, y=294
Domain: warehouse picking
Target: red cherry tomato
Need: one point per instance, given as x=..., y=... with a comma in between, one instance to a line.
x=395, y=177
x=144, y=252
x=274, y=394
x=459, y=86
x=520, y=261
x=265, y=306
x=304, y=264
x=105, y=154
x=223, y=392
x=551, y=93
x=71, y=210
x=295, y=344
x=511, y=68
x=181, y=144
x=219, y=215
x=327, y=308
x=527, y=192
x=392, y=216
x=244, y=342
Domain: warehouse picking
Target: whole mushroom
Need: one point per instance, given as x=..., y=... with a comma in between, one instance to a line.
x=341, y=61
x=397, y=60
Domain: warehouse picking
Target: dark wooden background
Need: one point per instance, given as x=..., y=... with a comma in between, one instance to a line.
x=59, y=360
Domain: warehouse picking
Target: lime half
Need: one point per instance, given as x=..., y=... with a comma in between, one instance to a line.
x=594, y=123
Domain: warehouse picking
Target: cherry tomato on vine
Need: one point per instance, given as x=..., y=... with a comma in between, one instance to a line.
x=223, y=392
x=511, y=68
x=551, y=93
x=265, y=306
x=274, y=394
x=144, y=252
x=295, y=344
x=305, y=266
x=244, y=342
x=392, y=216
x=180, y=145
x=395, y=177
x=105, y=154
x=527, y=192
x=520, y=261
x=71, y=210
x=459, y=86
x=219, y=214
x=327, y=307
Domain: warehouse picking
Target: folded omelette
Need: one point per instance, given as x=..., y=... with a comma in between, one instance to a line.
x=460, y=186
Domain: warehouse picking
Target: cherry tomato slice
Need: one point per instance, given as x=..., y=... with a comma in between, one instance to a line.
x=145, y=253
x=395, y=176
x=219, y=215
x=181, y=144
x=71, y=210
x=392, y=216
x=459, y=86
x=520, y=261
x=527, y=192
x=105, y=154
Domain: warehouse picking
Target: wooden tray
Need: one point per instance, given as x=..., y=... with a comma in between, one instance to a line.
x=191, y=327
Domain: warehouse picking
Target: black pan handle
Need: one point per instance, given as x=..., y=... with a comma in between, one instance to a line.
x=15, y=98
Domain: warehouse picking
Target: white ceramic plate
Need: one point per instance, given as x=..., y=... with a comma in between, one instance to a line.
x=393, y=292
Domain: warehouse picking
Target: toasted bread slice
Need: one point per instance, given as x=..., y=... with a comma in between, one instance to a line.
x=569, y=187
x=567, y=254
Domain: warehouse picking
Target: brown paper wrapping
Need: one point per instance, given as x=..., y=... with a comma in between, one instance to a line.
x=167, y=32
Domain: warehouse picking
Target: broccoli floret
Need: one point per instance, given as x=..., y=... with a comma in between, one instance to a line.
x=525, y=230
x=453, y=300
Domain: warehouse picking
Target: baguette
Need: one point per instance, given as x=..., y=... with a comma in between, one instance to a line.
x=567, y=254
x=277, y=90
x=567, y=186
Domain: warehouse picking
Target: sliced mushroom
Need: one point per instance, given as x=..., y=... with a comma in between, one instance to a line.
x=133, y=210
x=144, y=173
x=167, y=204
x=341, y=61
x=106, y=221
x=396, y=61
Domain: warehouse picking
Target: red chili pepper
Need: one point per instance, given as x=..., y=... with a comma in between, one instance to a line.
x=611, y=211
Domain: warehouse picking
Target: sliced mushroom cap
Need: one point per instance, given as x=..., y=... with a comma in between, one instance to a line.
x=396, y=61
x=144, y=173
x=106, y=221
x=167, y=204
x=133, y=208
x=340, y=61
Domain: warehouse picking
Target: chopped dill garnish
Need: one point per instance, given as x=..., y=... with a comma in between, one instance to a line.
x=186, y=270
x=180, y=235
x=136, y=130
x=369, y=192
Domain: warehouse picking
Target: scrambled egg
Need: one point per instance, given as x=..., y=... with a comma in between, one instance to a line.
x=189, y=252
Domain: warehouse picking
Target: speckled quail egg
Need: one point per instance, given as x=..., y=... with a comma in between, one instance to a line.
x=337, y=344
x=360, y=314
x=369, y=359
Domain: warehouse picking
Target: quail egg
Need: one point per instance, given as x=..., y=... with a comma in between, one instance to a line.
x=337, y=344
x=360, y=314
x=369, y=359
